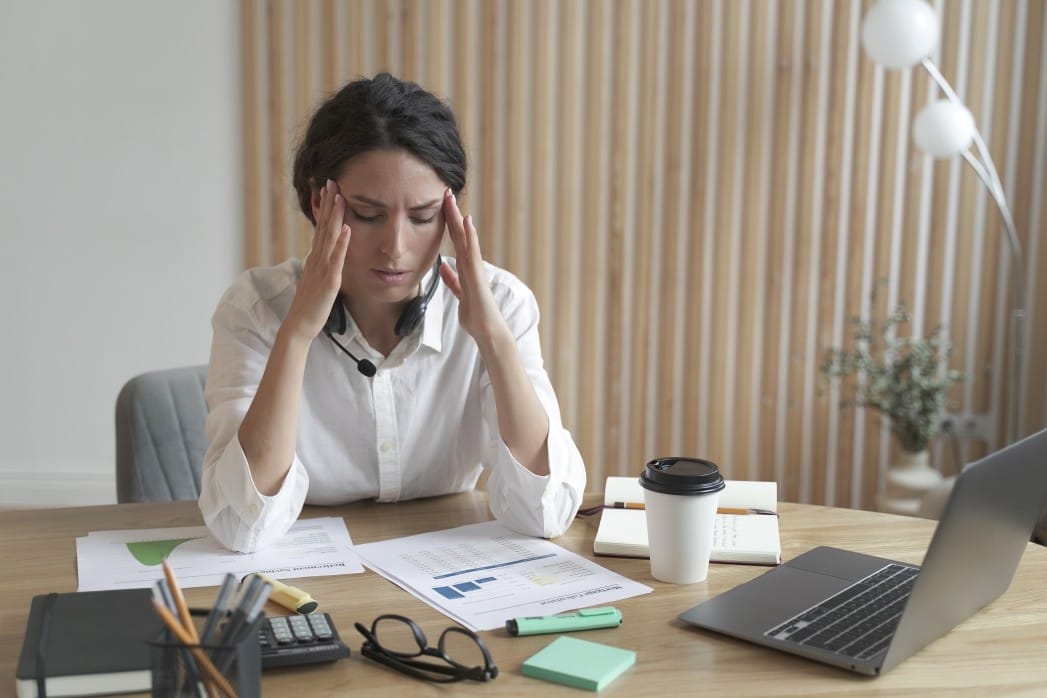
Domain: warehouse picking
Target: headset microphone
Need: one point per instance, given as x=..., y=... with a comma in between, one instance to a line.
x=336, y=323
x=362, y=365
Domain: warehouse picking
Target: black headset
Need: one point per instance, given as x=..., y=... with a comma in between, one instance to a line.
x=408, y=321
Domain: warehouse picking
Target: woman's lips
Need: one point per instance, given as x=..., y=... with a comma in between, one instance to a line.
x=393, y=278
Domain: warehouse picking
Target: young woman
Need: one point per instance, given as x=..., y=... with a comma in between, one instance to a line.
x=373, y=369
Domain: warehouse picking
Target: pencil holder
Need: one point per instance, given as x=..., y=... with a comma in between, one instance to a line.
x=231, y=662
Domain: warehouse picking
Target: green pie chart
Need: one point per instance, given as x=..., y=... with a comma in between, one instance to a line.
x=153, y=552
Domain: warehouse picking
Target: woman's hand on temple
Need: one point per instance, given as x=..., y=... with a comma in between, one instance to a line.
x=478, y=312
x=322, y=269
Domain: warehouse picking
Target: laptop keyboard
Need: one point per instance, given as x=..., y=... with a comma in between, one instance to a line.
x=857, y=622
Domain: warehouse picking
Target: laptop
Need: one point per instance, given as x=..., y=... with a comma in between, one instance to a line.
x=868, y=614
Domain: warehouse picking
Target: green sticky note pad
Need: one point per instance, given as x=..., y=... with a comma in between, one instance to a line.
x=579, y=663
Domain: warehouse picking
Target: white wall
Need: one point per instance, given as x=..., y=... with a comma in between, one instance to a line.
x=120, y=220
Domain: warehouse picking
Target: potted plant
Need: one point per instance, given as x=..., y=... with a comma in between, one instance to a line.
x=906, y=379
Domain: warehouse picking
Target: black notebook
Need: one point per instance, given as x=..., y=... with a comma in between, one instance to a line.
x=96, y=643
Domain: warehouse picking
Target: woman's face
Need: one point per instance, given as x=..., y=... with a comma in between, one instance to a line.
x=393, y=205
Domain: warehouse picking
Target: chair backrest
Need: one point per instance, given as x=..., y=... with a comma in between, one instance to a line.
x=160, y=437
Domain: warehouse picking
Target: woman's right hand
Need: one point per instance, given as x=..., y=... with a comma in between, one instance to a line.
x=322, y=270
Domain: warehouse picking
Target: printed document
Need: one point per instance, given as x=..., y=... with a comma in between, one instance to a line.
x=131, y=559
x=483, y=574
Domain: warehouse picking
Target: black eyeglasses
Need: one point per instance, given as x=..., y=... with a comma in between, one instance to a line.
x=397, y=641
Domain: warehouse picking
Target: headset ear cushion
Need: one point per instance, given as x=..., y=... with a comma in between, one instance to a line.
x=411, y=317
x=336, y=323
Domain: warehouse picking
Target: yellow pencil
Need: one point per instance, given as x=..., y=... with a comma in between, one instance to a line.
x=721, y=510
x=179, y=599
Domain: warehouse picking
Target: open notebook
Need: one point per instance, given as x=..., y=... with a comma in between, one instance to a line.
x=739, y=538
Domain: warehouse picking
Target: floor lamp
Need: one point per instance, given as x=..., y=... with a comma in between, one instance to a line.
x=902, y=34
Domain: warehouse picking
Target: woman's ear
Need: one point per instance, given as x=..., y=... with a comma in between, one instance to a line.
x=314, y=200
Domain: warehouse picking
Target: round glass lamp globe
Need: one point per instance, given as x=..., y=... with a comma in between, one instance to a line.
x=900, y=33
x=944, y=128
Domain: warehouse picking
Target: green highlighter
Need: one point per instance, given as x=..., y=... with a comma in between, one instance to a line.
x=579, y=663
x=585, y=619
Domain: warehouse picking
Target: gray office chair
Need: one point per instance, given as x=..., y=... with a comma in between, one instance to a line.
x=160, y=437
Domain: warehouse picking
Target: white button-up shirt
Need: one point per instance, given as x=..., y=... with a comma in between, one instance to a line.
x=424, y=425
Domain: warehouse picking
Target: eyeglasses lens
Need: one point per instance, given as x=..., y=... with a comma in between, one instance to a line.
x=396, y=637
x=462, y=649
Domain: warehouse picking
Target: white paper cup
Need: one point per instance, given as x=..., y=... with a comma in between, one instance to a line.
x=680, y=498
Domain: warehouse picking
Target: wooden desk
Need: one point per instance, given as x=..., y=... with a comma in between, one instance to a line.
x=1000, y=651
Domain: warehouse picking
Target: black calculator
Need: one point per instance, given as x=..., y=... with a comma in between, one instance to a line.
x=299, y=639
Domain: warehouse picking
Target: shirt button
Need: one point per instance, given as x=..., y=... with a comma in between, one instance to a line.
x=387, y=447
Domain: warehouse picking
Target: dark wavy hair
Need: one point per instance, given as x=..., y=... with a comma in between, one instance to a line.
x=382, y=113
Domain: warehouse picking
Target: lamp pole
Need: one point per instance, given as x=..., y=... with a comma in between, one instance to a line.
x=901, y=34
x=986, y=171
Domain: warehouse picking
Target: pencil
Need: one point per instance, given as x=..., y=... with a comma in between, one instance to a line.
x=721, y=510
x=179, y=599
x=187, y=619
x=763, y=512
x=183, y=635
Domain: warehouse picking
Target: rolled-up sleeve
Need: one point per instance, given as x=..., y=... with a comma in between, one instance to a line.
x=236, y=513
x=531, y=504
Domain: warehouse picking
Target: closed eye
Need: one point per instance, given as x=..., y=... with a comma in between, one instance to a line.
x=423, y=221
x=365, y=219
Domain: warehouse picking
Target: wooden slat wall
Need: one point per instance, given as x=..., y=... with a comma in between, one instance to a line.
x=700, y=194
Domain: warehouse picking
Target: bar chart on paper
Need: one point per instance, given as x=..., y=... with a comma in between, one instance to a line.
x=459, y=590
x=482, y=574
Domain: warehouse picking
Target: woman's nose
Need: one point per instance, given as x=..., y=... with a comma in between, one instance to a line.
x=392, y=242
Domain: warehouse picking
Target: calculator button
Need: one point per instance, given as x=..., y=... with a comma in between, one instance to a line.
x=281, y=631
x=320, y=627
x=300, y=628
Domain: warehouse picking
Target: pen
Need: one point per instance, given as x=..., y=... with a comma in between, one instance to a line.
x=289, y=597
x=221, y=605
x=585, y=619
x=247, y=611
x=246, y=602
x=161, y=589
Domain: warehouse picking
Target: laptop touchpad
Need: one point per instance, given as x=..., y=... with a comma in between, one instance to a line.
x=789, y=588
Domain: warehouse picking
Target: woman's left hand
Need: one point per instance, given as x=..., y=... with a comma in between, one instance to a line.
x=478, y=312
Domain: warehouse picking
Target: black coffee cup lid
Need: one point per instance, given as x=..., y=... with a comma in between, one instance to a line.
x=686, y=476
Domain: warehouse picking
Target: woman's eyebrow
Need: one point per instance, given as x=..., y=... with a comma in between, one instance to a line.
x=378, y=204
x=369, y=202
x=427, y=204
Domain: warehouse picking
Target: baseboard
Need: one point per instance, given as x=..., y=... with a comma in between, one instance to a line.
x=43, y=490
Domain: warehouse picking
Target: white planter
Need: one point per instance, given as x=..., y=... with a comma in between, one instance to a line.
x=906, y=482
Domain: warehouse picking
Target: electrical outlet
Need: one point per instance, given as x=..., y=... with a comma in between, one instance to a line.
x=966, y=425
